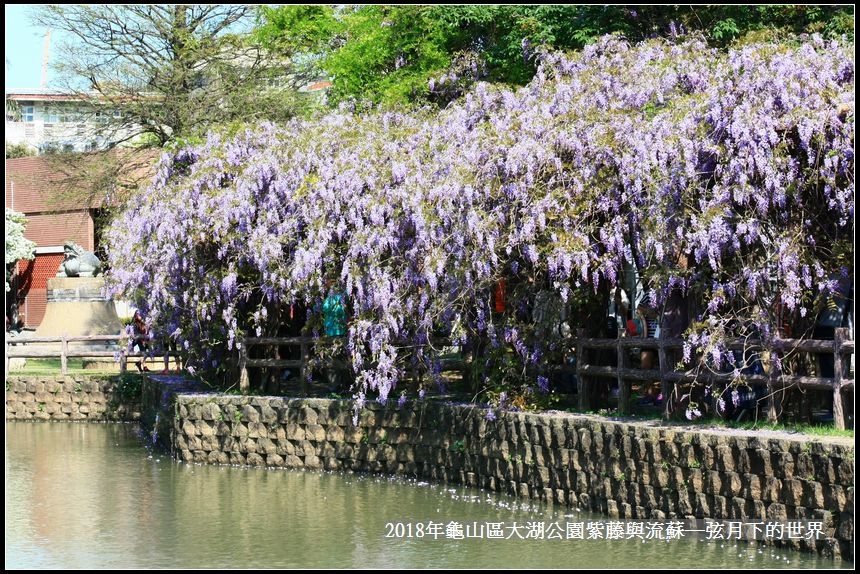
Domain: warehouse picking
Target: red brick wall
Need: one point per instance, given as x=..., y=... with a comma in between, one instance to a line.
x=32, y=286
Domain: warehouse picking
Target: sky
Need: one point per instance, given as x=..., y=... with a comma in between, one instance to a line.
x=24, y=47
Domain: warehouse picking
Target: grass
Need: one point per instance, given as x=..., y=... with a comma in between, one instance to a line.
x=52, y=366
x=704, y=424
x=75, y=365
x=805, y=428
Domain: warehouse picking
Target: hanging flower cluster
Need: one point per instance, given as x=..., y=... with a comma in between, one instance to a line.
x=730, y=173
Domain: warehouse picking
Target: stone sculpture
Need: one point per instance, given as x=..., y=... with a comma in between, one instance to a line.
x=78, y=262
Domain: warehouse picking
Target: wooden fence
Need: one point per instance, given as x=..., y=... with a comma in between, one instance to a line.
x=34, y=347
x=668, y=376
x=586, y=370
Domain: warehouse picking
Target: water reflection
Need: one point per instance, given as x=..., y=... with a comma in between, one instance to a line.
x=91, y=496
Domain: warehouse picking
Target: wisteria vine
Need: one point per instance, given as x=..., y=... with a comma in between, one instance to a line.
x=727, y=173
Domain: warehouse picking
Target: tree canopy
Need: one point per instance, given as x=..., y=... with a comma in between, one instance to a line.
x=154, y=72
x=390, y=54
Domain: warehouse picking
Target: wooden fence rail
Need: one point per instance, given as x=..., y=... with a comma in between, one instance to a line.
x=25, y=348
x=624, y=374
x=585, y=369
x=668, y=377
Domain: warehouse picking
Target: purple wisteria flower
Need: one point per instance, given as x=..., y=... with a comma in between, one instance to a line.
x=659, y=155
x=543, y=384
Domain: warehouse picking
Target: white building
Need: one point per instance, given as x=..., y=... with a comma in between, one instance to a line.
x=49, y=120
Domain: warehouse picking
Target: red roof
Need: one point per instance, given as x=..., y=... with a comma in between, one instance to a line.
x=35, y=184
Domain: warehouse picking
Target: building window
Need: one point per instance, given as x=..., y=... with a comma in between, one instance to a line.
x=28, y=113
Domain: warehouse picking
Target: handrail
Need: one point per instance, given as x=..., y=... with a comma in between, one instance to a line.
x=839, y=346
x=21, y=348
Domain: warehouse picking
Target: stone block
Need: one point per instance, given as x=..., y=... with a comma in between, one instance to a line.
x=724, y=459
x=217, y=457
x=776, y=512
x=204, y=428
x=720, y=507
x=845, y=473
x=783, y=464
x=752, y=488
x=33, y=386
x=792, y=492
x=255, y=459
x=274, y=460
x=250, y=414
x=732, y=484
x=813, y=494
x=268, y=415
x=295, y=432
x=740, y=508
x=334, y=433
x=266, y=446
x=771, y=489
x=315, y=432
x=834, y=497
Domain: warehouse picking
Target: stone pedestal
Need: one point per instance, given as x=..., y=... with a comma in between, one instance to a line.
x=78, y=306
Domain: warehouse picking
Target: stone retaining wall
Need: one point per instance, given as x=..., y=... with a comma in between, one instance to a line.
x=625, y=470
x=73, y=397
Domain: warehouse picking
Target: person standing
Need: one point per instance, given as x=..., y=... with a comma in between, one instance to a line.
x=140, y=334
x=334, y=323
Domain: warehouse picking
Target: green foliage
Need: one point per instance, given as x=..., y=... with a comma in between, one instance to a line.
x=389, y=54
x=167, y=71
x=310, y=27
x=18, y=150
x=129, y=386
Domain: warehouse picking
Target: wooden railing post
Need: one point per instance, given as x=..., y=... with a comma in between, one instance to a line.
x=123, y=360
x=64, y=350
x=584, y=399
x=244, y=380
x=666, y=389
x=414, y=360
x=840, y=335
x=773, y=376
x=623, y=388
x=304, y=368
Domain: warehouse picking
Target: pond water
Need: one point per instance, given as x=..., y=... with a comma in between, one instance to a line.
x=93, y=496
